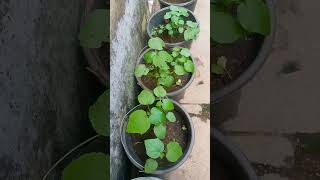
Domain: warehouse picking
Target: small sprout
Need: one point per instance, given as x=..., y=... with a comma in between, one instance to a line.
x=179, y=82
x=221, y=67
x=184, y=128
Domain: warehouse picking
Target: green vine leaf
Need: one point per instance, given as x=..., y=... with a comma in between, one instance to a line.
x=165, y=56
x=160, y=131
x=99, y=114
x=95, y=29
x=157, y=116
x=159, y=91
x=150, y=166
x=149, y=56
x=224, y=28
x=154, y=147
x=167, y=105
x=254, y=16
x=185, y=52
x=88, y=166
x=141, y=70
x=166, y=81
x=179, y=70
x=171, y=117
x=138, y=122
x=174, y=151
x=156, y=43
x=189, y=66
x=146, y=97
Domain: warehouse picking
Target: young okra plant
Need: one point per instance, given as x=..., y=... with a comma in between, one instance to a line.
x=157, y=112
x=236, y=19
x=176, y=23
x=165, y=65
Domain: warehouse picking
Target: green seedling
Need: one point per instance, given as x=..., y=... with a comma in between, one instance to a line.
x=221, y=67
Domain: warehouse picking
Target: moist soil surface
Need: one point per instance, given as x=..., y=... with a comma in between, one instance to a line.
x=239, y=57
x=151, y=82
x=177, y=1
x=171, y=39
x=174, y=132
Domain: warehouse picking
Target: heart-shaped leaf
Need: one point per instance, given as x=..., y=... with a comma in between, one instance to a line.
x=154, y=147
x=138, y=122
x=167, y=105
x=189, y=66
x=150, y=166
x=254, y=16
x=99, y=114
x=171, y=117
x=179, y=70
x=159, y=91
x=88, y=166
x=224, y=28
x=156, y=43
x=174, y=151
x=160, y=131
x=157, y=116
x=141, y=70
x=146, y=97
x=95, y=29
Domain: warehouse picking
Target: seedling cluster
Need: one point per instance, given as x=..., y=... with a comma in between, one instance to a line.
x=176, y=23
x=165, y=65
x=157, y=112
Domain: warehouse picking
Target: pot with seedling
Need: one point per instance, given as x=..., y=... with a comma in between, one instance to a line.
x=171, y=67
x=158, y=134
x=177, y=26
x=242, y=33
x=189, y=4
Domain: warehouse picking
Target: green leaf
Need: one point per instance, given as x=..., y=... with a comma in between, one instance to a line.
x=146, y=97
x=159, y=91
x=174, y=151
x=154, y=147
x=165, y=55
x=88, y=166
x=185, y=52
x=171, y=117
x=148, y=56
x=177, y=49
x=224, y=28
x=189, y=66
x=180, y=29
x=254, y=16
x=174, y=8
x=216, y=69
x=157, y=116
x=166, y=81
x=160, y=63
x=138, y=122
x=192, y=24
x=99, y=114
x=141, y=70
x=182, y=59
x=179, y=70
x=150, y=166
x=167, y=105
x=159, y=104
x=160, y=131
x=191, y=34
x=167, y=15
x=156, y=43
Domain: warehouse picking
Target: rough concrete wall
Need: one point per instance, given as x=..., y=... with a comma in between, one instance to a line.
x=43, y=82
x=128, y=33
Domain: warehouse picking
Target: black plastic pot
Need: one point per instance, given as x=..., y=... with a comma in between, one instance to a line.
x=176, y=95
x=256, y=65
x=229, y=163
x=157, y=19
x=134, y=158
x=191, y=4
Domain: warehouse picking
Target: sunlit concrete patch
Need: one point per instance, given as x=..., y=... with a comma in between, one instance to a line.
x=273, y=177
x=272, y=150
x=197, y=166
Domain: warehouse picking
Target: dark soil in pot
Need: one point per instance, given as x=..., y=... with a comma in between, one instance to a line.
x=172, y=39
x=174, y=131
x=240, y=55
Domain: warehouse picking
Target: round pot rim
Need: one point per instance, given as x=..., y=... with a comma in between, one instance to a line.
x=185, y=154
x=255, y=66
x=164, y=9
x=173, y=93
x=178, y=4
x=241, y=159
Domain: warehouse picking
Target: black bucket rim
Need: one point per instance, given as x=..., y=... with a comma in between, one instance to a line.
x=178, y=4
x=177, y=164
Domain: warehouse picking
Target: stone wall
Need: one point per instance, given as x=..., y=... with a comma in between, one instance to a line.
x=45, y=87
x=128, y=35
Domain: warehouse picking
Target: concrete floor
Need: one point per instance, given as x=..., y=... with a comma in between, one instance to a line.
x=278, y=115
